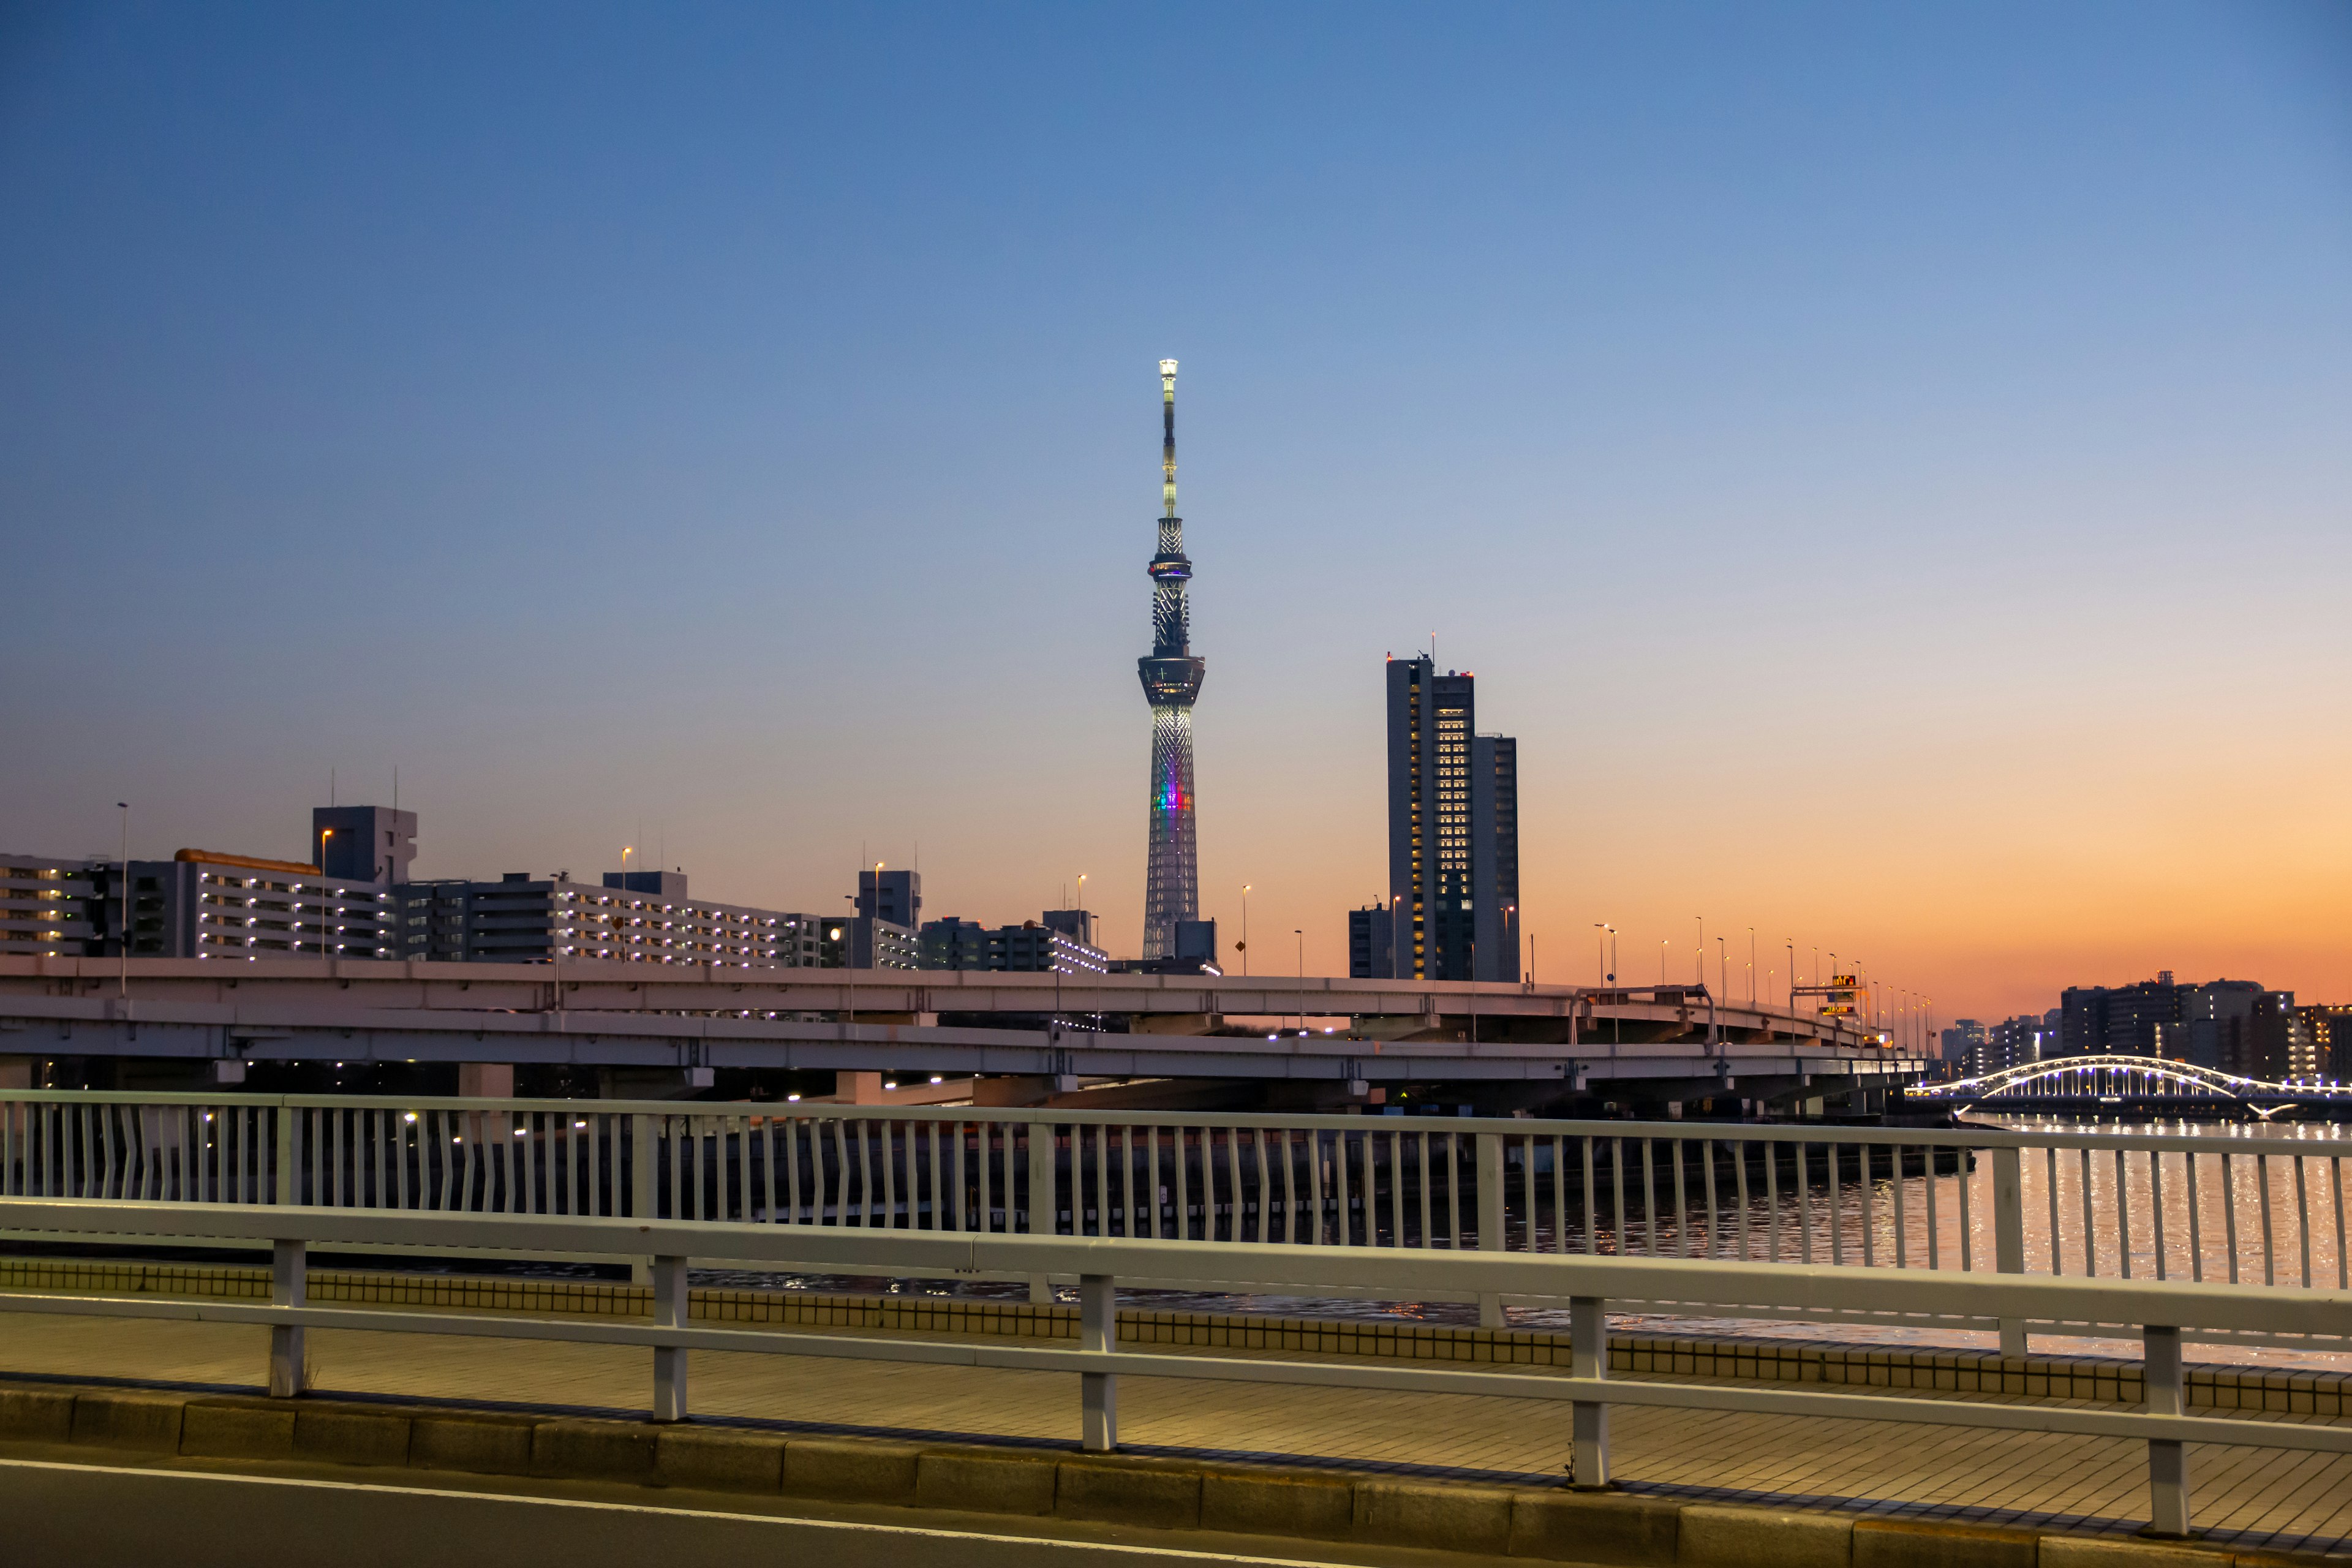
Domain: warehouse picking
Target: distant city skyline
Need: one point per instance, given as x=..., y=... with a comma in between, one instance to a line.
x=1888, y=465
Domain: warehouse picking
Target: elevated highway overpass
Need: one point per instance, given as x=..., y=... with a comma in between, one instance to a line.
x=1340, y=1036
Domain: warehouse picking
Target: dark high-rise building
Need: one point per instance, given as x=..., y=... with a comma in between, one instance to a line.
x=2119, y=1020
x=364, y=843
x=1030, y=947
x=893, y=896
x=1171, y=681
x=1371, y=943
x=1453, y=843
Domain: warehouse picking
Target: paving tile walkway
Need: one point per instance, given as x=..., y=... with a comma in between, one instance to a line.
x=2250, y=1497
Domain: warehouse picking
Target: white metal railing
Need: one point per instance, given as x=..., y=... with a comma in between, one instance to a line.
x=1587, y=1285
x=2251, y=1206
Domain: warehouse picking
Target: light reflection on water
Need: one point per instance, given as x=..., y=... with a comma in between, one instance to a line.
x=2304, y=1230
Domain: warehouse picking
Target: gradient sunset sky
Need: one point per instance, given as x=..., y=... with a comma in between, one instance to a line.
x=1888, y=465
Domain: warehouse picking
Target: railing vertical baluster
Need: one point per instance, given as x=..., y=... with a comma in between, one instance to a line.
x=2057, y=1263
x=1863, y=1191
x=1739, y=1148
x=1804, y=1207
x=1558, y=1194
x=1290, y=1186
x=1935, y=1239
x=1649, y=1197
x=1968, y=1223
x=1314, y=1183
x=2090, y=1219
x=2156, y=1207
x=1102, y=1175
x=786, y=1129
x=1125, y=1169
x=1343, y=1231
x=600, y=1128
x=860, y=1133
x=946, y=1190
x=985, y=1197
x=1044, y=1147
x=1373, y=1190
x=2230, y=1210
x=1617, y=1192
x=888, y=1128
x=743, y=1168
x=1591, y=1201
x=2122, y=1219
x=1836, y=1206
x=477, y=1153
x=1453, y=1190
x=2302, y=1218
x=2196, y=1219
x=845, y=1211
x=1682, y=1201
x=1183, y=1205
x=2342, y=1260
x=385, y=1121
x=1901, y=1228
x=286, y=1156
x=2270, y=1248
x=1234, y=1176
x=1151, y=1175
x=1428, y=1234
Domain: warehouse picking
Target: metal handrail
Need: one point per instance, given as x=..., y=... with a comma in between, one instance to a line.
x=1587, y=1284
x=1964, y=1200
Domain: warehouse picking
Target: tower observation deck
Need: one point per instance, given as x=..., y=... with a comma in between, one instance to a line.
x=1172, y=680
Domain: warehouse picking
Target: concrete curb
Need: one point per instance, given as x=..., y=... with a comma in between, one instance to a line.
x=1541, y=1523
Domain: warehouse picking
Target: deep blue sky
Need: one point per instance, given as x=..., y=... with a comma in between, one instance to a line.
x=1889, y=464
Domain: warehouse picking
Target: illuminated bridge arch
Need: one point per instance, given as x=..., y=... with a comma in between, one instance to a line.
x=2122, y=1078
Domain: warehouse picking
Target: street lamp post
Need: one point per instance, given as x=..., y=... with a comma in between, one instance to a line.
x=324, y=834
x=1242, y=946
x=1301, y=934
x=124, y=806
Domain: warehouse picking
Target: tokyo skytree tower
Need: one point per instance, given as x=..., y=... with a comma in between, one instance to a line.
x=1172, y=680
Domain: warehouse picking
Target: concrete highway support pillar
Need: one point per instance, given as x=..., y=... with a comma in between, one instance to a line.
x=1099, y=1330
x=1587, y=1357
x=486, y=1081
x=669, y=1361
x=288, y=1287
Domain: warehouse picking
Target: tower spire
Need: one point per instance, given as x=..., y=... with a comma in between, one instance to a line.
x=1168, y=439
x=1172, y=680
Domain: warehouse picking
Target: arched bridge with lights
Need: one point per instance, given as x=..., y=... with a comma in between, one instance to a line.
x=2090, y=1081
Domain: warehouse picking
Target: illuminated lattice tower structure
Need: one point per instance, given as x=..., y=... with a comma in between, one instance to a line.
x=1172, y=680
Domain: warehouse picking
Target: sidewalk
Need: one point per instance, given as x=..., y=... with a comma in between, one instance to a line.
x=2250, y=1497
